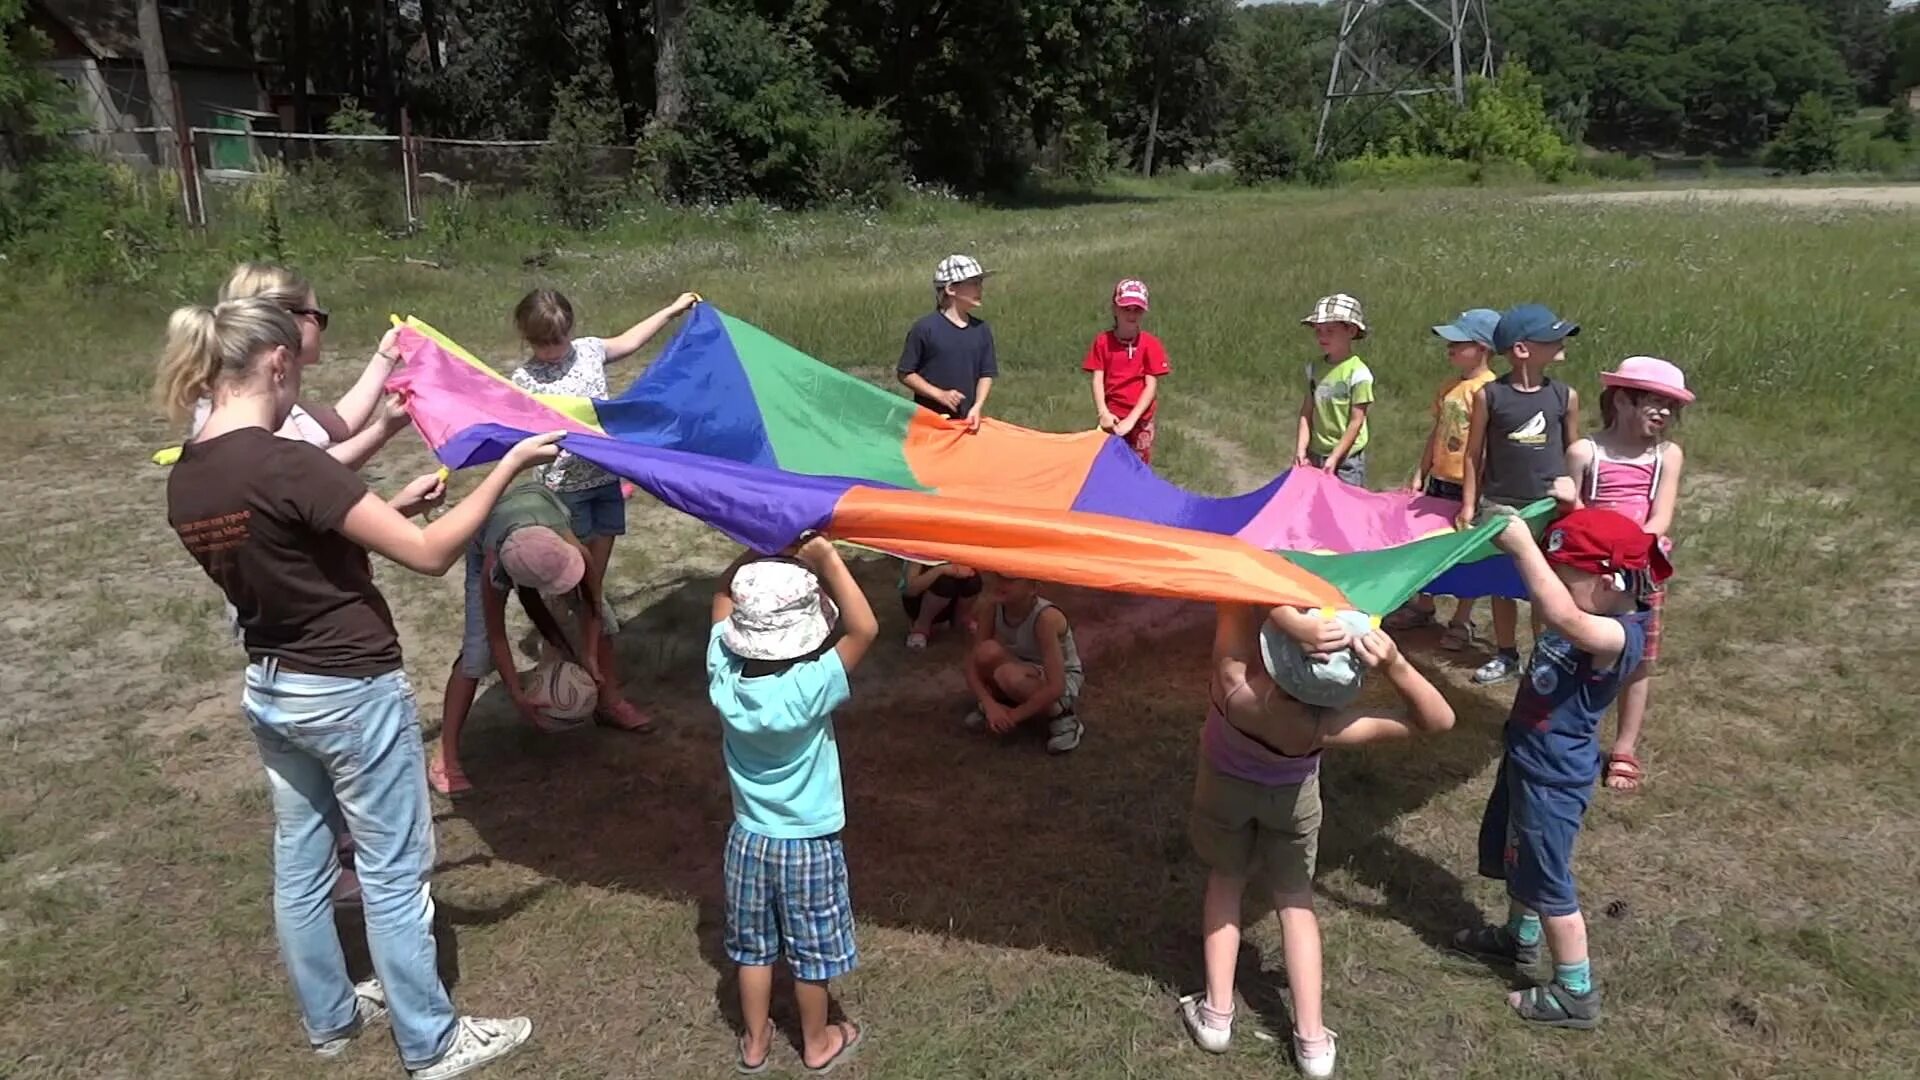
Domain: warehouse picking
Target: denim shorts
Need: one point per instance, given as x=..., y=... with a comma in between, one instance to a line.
x=597, y=511
x=789, y=897
x=1352, y=468
x=1526, y=839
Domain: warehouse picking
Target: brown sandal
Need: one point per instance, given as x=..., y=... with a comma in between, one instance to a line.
x=1626, y=769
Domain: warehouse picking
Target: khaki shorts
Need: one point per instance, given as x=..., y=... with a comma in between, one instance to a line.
x=1246, y=830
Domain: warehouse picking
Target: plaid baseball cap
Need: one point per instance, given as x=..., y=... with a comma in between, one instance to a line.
x=1606, y=542
x=1328, y=682
x=1339, y=307
x=1531, y=322
x=1131, y=293
x=779, y=612
x=1476, y=324
x=955, y=269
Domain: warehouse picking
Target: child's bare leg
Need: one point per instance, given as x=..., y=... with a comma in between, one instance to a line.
x=1506, y=624
x=931, y=605
x=987, y=659
x=1019, y=684
x=449, y=777
x=820, y=1042
x=1300, y=941
x=1220, y=927
x=1462, y=612
x=615, y=709
x=1423, y=603
x=1633, y=715
x=599, y=555
x=756, y=1005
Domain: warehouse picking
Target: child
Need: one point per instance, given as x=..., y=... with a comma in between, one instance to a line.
x=776, y=683
x=1442, y=468
x=1632, y=469
x=1586, y=588
x=563, y=364
x=936, y=595
x=1024, y=665
x=1523, y=424
x=526, y=546
x=1333, y=416
x=948, y=361
x=1283, y=689
x=1127, y=365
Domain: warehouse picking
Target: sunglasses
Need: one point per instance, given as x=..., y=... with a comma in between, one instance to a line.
x=318, y=315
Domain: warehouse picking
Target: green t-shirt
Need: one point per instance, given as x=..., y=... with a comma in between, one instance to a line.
x=1350, y=383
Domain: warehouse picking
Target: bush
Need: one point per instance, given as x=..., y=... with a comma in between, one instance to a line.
x=1406, y=170
x=1505, y=121
x=1897, y=125
x=575, y=171
x=761, y=122
x=1810, y=140
x=1882, y=156
x=85, y=222
x=1616, y=167
x=1270, y=147
x=1085, y=155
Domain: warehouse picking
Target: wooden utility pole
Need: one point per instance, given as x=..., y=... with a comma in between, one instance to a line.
x=669, y=73
x=165, y=111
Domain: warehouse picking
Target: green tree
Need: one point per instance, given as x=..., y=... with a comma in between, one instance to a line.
x=1897, y=125
x=1810, y=141
x=34, y=105
x=1903, y=55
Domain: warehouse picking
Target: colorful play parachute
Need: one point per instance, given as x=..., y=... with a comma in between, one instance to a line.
x=762, y=442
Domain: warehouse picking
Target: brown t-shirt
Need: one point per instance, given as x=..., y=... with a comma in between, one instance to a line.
x=262, y=514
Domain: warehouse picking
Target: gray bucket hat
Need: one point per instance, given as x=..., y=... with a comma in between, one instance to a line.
x=1330, y=682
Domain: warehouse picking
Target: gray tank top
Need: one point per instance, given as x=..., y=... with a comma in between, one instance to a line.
x=1526, y=440
x=1022, y=641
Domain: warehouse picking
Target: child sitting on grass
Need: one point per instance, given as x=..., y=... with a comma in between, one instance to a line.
x=1598, y=568
x=1523, y=424
x=940, y=594
x=1333, y=415
x=1632, y=468
x=1443, y=464
x=1283, y=689
x=1024, y=665
x=776, y=682
x=1127, y=365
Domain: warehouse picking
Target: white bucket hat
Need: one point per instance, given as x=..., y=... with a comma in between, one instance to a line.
x=779, y=612
x=1338, y=308
x=1329, y=682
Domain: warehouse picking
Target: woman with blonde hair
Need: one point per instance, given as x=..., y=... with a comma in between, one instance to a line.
x=285, y=531
x=360, y=423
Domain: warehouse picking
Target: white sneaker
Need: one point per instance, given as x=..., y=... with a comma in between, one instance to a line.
x=1063, y=733
x=476, y=1041
x=1214, y=1040
x=1497, y=670
x=1319, y=1064
x=369, y=1005
x=975, y=721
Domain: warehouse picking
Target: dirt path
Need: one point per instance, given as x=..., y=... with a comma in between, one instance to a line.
x=1905, y=196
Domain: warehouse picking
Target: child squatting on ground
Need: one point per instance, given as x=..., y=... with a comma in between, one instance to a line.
x=1632, y=468
x=776, y=682
x=1127, y=364
x=1523, y=424
x=1283, y=689
x=1589, y=588
x=1443, y=464
x=1333, y=415
x=941, y=594
x=1024, y=665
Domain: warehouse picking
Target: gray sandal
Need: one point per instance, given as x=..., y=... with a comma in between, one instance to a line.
x=1554, y=1005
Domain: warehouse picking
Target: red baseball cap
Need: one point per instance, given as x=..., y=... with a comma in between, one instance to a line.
x=1131, y=293
x=1606, y=542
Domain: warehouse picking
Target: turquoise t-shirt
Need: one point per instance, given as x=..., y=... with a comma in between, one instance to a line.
x=777, y=731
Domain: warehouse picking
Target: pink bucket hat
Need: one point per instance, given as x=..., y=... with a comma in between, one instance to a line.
x=1649, y=373
x=536, y=557
x=1130, y=293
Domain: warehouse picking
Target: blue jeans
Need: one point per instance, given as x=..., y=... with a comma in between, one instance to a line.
x=349, y=749
x=597, y=511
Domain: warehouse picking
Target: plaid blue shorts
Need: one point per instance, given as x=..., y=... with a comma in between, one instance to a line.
x=791, y=896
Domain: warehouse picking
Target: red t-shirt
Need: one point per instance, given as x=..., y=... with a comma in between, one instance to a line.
x=1127, y=364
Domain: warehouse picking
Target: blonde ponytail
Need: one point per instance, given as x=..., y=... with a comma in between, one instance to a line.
x=206, y=346
x=267, y=281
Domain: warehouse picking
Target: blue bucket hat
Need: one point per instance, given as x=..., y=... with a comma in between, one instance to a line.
x=1328, y=682
x=1477, y=324
x=1531, y=322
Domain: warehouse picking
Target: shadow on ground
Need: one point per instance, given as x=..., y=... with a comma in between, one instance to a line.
x=955, y=834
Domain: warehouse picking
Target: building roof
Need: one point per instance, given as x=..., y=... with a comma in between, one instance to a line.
x=110, y=30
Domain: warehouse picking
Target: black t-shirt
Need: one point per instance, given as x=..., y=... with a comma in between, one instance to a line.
x=950, y=357
x=261, y=515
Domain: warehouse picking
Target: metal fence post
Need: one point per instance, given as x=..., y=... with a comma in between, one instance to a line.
x=409, y=169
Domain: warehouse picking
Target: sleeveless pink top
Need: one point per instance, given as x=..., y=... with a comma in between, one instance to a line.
x=1625, y=487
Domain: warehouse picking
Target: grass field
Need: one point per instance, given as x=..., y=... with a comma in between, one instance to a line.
x=1022, y=916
